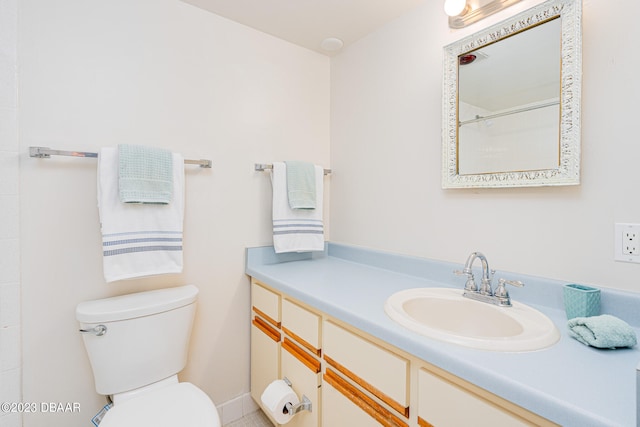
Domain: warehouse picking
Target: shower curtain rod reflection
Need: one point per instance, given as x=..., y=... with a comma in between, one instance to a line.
x=46, y=152
x=507, y=113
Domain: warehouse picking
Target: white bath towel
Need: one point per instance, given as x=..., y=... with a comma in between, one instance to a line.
x=138, y=239
x=298, y=230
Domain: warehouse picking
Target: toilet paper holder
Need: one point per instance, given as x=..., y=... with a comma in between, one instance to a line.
x=304, y=405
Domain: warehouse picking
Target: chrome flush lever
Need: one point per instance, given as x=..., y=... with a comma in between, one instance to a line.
x=98, y=331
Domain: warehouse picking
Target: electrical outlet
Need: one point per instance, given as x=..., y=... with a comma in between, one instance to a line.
x=630, y=242
x=627, y=243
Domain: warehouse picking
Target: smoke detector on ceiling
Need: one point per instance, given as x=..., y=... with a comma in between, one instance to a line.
x=331, y=44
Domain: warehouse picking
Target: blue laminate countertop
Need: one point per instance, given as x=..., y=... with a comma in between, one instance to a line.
x=568, y=383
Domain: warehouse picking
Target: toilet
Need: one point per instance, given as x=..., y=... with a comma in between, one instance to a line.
x=137, y=344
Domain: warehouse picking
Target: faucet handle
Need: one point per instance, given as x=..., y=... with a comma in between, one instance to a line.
x=516, y=283
x=501, y=290
x=470, y=285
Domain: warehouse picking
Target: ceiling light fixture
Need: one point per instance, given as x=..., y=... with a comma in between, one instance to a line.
x=461, y=13
x=455, y=7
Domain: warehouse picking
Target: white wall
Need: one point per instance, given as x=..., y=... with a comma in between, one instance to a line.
x=166, y=74
x=10, y=362
x=386, y=151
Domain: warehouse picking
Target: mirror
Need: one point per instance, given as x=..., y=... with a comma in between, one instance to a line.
x=511, y=110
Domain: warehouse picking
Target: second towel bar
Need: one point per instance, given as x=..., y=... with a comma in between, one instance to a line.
x=263, y=166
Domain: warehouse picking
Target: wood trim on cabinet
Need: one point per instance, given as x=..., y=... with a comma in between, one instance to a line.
x=364, y=402
x=266, y=317
x=423, y=423
x=305, y=344
x=371, y=389
x=301, y=355
x=266, y=328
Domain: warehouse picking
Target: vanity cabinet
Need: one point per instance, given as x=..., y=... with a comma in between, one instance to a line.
x=354, y=379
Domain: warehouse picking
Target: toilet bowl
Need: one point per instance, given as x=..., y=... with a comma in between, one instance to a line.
x=137, y=344
x=182, y=404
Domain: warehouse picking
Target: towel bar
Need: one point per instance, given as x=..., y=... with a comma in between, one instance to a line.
x=46, y=152
x=263, y=166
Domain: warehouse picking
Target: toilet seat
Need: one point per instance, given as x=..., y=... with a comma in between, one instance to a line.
x=181, y=404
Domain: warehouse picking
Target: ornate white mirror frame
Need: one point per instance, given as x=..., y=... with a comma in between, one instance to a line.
x=568, y=170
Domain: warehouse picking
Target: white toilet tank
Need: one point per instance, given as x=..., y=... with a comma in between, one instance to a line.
x=146, y=337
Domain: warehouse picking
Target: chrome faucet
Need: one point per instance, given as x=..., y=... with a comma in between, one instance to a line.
x=485, y=293
x=485, y=288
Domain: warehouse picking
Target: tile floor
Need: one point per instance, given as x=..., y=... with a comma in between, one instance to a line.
x=254, y=419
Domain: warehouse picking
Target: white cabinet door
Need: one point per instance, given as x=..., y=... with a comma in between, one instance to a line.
x=265, y=358
x=443, y=404
x=381, y=372
x=305, y=381
x=265, y=339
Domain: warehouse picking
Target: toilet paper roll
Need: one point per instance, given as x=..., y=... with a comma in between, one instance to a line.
x=275, y=397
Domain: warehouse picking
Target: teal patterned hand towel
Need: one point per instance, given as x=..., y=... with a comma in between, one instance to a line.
x=145, y=174
x=301, y=185
x=603, y=331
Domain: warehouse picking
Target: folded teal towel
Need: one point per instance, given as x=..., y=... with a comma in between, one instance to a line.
x=301, y=185
x=603, y=331
x=145, y=174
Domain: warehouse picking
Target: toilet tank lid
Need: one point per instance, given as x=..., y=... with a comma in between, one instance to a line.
x=135, y=305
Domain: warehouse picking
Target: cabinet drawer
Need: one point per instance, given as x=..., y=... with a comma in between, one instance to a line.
x=301, y=325
x=265, y=303
x=379, y=371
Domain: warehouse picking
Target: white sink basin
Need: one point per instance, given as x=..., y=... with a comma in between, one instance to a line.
x=444, y=314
